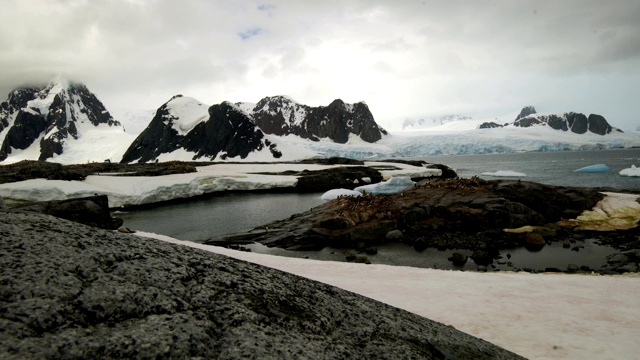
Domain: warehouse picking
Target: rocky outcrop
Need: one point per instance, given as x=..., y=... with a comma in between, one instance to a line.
x=575, y=122
x=91, y=211
x=75, y=292
x=437, y=213
x=280, y=115
x=526, y=111
x=52, y=114
x=223, y=131
x=26, y=169
x=490, y=125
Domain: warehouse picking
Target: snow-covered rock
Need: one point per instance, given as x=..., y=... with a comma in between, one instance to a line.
x=335, y=193
x=391, y=186
x=281, y=115
x=43, y=123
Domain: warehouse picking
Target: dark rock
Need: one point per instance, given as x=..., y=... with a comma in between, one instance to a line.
x=420, y=244
x=617, y=259
x=371, y=250
x=628, y=268
x=533, y=242
x=335, y=178
x=572, y=268
x=576, y=122
x=92, y=211
x=362, y=259
x=280, y=115
x=481, y=257
x=599, y=125
x=526, y=111
x=447, y=172
x=489, y=125
x=350, y=255
x=566, y=244
x=71, y=291
x=458, y=259
x=227, y=131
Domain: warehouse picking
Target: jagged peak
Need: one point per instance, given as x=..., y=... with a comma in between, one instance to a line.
x=526, y=111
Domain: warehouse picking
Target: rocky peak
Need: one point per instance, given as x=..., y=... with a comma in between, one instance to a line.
x=526, y=111
x=281, y=115
x=52, y=113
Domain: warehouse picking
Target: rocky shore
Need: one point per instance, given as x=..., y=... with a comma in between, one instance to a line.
x=74, y=291
x=452, y=215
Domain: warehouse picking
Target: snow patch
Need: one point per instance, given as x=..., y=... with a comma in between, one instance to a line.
x=391, y=186
x=335, y=193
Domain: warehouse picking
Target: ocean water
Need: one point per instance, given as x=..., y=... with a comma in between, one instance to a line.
x=553, y=168
x=224, y=214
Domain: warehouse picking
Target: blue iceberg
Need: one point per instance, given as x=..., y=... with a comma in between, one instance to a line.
x=593, y=169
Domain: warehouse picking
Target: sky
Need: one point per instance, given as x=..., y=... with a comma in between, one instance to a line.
x=405, y=59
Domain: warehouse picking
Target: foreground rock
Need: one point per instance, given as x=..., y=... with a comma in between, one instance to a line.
x=71, y=291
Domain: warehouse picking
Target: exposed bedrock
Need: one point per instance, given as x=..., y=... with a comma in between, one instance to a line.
x=436, y=213
x=76, y=292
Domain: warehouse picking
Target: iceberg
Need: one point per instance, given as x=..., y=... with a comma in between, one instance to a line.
x=335, y=193
x=632, y=171
x=593, y=169
x=504, y=173
x=391, y=186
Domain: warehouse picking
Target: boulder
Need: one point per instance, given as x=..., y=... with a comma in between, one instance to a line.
x=92, y=211
x=533, y=242
x=458, y=259
x=76, y=292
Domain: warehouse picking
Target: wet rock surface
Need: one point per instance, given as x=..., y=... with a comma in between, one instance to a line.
x=72, y=291
x=448, y=215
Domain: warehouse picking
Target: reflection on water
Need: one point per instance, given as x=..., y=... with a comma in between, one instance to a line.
x=224, y=214
x=551, y=256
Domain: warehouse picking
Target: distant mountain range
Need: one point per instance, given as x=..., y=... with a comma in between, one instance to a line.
x=571, y=121
x=64, y=122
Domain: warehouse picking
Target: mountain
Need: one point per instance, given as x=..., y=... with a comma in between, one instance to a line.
x=577, y=123
x=184, y=128
x=281, y=115
x=184, y=124
x=422, y=123
x=41, y=122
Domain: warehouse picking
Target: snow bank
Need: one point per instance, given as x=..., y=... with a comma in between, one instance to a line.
x=537, y=316
x=615, y=212
x=335, y=193
x=391, y=186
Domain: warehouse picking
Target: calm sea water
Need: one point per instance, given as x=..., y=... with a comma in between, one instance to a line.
x=203, y=219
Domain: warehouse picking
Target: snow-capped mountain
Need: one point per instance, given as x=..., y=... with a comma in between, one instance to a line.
x=570, y=121
x=281, y=115
x=186, y=126
x=422, y=123
x=42, y=123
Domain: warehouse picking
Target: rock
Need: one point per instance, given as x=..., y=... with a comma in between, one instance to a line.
x=2, y=205
x=92, y=211
x=336, y=121
x=371, y=250
x=420, y=244
x=394, y=235
x=489, y=125
x=125, y=230
x=633, y=255
x=333, y=178
x=458, y=259
x=631, y=267
x=362, y=259
x=482, y=268
x=481, y=257
x=572, y=268
x=526, y=111
x=72, y=291
x=566, y=244
x=617, y=259
x=533, y=242
x=350, y=255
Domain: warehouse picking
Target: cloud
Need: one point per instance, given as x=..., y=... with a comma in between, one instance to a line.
x=404, y=58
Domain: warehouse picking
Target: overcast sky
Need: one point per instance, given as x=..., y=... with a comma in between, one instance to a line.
x=405, y=59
